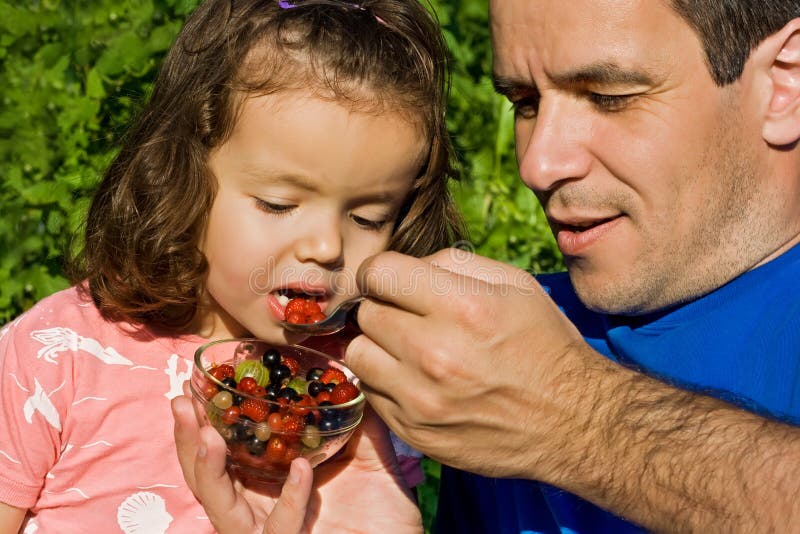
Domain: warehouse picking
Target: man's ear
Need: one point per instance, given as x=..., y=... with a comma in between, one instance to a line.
x=782, y=120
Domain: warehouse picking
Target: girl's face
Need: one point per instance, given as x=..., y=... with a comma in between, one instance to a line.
x=307, y=189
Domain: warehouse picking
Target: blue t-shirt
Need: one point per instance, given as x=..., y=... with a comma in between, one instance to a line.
x=740, y=343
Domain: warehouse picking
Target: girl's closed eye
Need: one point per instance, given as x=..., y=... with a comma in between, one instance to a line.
x=372, y=223
x=276, y=208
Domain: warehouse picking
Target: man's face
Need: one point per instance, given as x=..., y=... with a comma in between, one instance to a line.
x=648, y=172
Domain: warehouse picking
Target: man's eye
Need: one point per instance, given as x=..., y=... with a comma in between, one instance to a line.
x=526, y=107
x=272, y=207
x=368, y=224
x=610, y=103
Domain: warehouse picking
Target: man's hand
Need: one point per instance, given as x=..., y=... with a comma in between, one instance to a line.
x=359, y=490
x=468, y=360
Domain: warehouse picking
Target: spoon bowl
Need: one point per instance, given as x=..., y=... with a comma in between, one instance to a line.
x=334, y=322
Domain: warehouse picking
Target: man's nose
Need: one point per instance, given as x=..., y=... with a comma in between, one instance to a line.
x=553, y=147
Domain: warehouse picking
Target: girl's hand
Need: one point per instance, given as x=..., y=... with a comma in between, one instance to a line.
x=361, y=489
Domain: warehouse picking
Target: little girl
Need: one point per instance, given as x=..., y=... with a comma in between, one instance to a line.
x=284, y=143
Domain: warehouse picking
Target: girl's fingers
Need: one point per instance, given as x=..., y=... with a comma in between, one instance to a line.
x=187, y=436
x=289, y=513
x=227, y=510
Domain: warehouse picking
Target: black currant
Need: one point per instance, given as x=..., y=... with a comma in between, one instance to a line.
x=271, y=358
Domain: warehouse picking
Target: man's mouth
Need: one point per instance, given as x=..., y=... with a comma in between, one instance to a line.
x=579, y=227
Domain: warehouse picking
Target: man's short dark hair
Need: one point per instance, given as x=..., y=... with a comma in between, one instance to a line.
x=731, y=29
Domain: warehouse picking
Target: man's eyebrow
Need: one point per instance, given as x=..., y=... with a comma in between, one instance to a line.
x=507, y=86
x=605, y=73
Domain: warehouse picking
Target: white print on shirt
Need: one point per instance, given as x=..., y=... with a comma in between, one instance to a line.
x=4, y=330
x=143, y=513
x=64, y=450
x=31, y=527
x=76, y=490
x=40, y=402
x=10, y=459
x=63, y=339
x=176, y=378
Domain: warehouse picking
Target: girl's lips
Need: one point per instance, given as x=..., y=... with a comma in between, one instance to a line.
x=572, y=242
x=275, y=307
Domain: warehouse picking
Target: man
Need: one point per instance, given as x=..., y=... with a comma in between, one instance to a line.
x=661, y=139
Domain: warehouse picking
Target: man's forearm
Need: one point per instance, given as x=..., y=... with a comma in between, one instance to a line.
x=671, y=460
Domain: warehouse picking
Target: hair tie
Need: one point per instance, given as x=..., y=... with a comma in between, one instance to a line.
x=286, y=4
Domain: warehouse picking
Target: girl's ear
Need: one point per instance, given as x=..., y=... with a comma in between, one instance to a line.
x=782, y=120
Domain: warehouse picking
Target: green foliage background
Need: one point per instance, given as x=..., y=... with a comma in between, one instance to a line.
x=73, y=73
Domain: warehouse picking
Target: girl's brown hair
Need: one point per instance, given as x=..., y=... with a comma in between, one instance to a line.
x=140, y=256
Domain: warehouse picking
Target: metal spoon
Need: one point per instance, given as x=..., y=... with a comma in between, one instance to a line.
x=335, y=321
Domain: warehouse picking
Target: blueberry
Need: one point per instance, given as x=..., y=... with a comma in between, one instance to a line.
x=326, y=425
x=314, y=387
x=329, y=387
x=271, y=358
x=279, y=373
x=256, y=447
x=328, y=414
x=272, y=391
x=230, y=382
x=241, y=432
x=289, y=394
x=314, y=373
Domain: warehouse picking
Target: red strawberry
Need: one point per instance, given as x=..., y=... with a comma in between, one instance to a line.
x=296, y=305
x=292, y=364
x=323, y=396
x=312, y=307
x=293, y=426
x=255, y=409
x=295, y=318
x=331, y=374
x=316, y=317
x=344, y=392
x=221, y=372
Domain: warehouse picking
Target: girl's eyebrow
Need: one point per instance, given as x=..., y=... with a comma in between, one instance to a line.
x=295, y=180
x=388, y=196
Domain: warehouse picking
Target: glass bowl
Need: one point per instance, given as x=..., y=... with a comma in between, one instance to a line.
x=274, y=403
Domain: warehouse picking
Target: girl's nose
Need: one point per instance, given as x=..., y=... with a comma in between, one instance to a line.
x=321, y=242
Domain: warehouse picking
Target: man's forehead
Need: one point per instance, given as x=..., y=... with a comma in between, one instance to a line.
x=564, y=38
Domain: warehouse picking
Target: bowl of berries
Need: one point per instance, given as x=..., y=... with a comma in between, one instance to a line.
x=274, y=403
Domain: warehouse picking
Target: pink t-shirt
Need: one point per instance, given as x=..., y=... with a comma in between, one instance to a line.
x=85, y=423
x=86, y=430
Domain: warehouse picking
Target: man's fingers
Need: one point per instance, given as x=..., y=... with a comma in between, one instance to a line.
x=492, y=272
x=371, y=364
x=289, y=513
x=407, y=282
